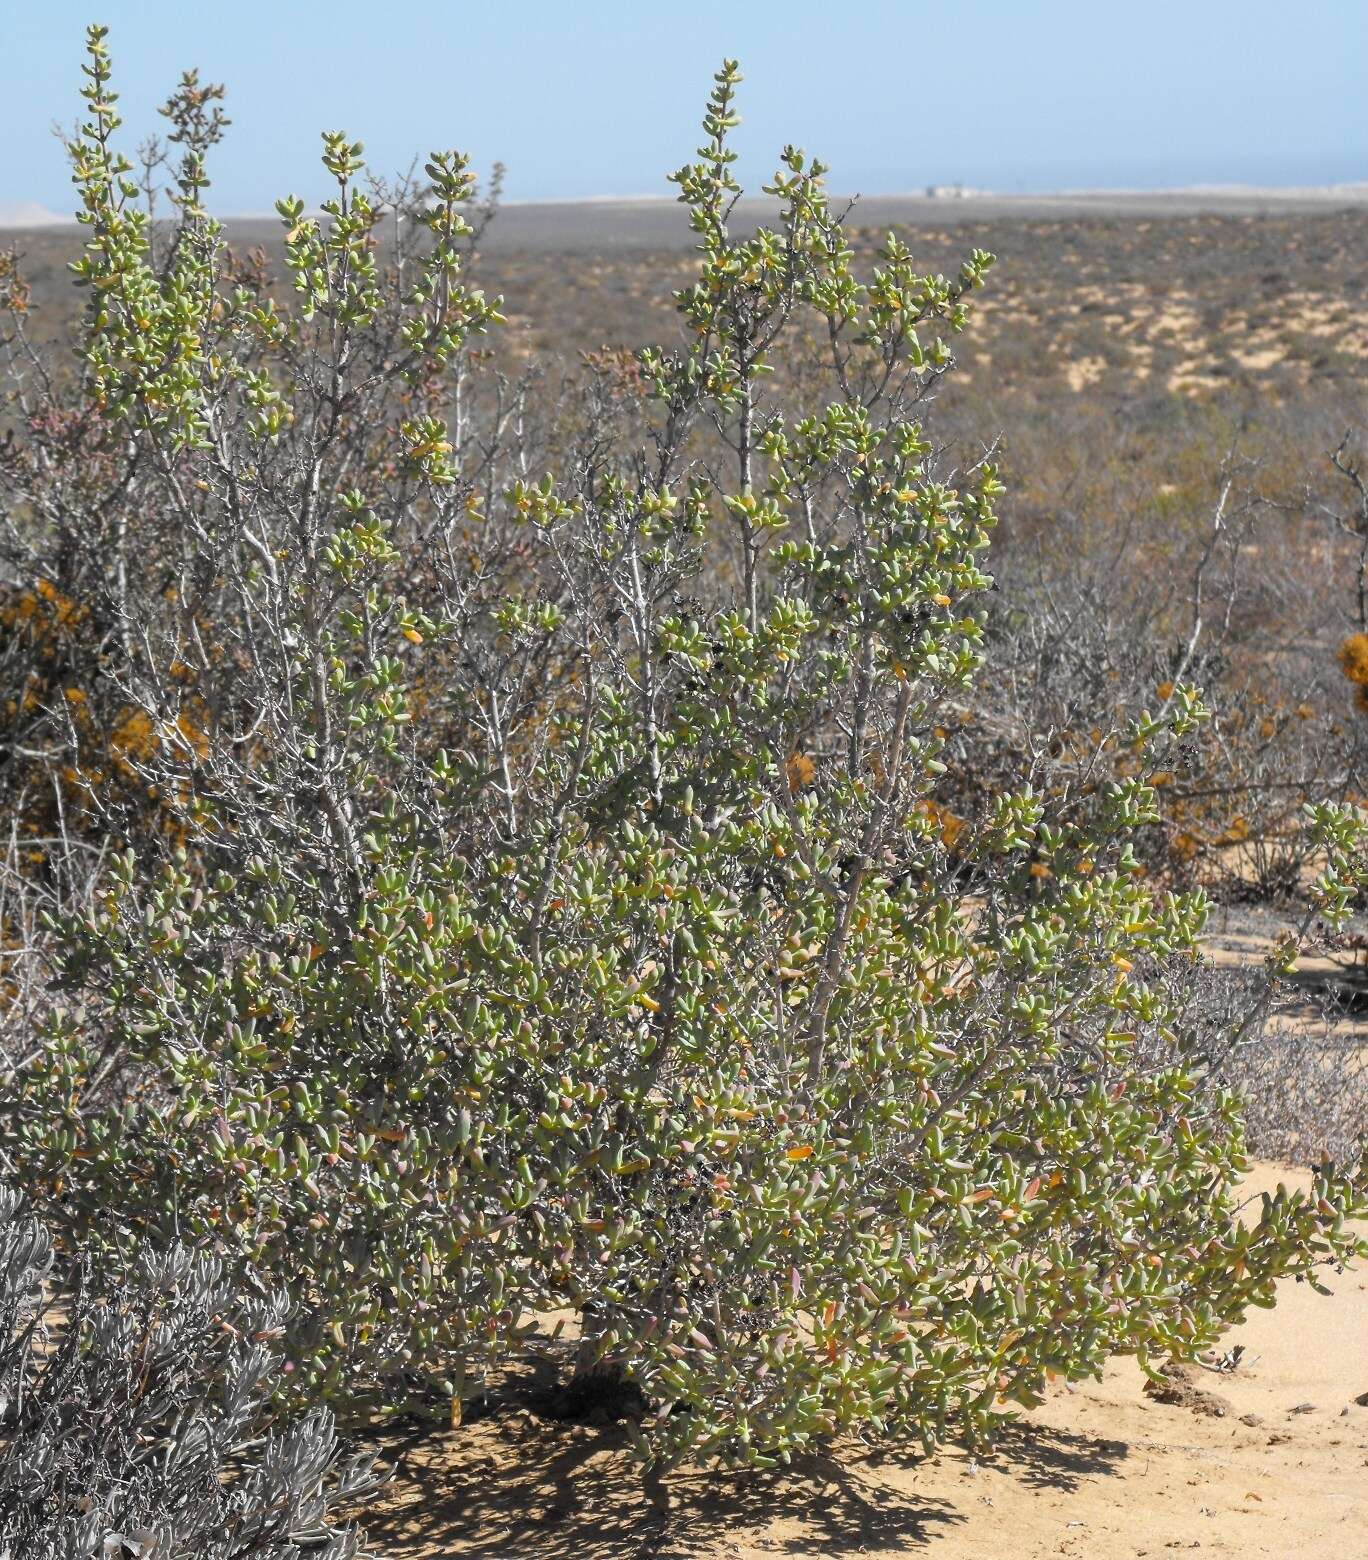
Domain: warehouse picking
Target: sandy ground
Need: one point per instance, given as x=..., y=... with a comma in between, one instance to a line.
x=1099, y=1472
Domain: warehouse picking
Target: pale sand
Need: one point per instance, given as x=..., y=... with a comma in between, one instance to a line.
x=1098, y=1473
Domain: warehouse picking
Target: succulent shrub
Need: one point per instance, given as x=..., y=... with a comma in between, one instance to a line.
x=132, y=1415
x=560, y=919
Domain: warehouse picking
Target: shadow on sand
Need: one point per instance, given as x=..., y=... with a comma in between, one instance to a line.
x=516, y=1486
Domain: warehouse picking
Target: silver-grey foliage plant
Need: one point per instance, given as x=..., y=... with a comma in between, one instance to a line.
x=131, y=1420
x=557, y=920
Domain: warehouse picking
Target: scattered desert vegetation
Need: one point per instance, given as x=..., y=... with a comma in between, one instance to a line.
x=728, y=851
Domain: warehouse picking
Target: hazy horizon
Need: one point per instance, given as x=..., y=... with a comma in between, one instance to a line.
x=601, y=102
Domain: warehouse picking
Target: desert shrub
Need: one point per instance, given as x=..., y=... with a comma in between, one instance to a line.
x=561, y=918
x=132, y=1415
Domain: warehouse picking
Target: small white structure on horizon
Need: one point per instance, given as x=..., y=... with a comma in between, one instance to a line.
x=950, y=192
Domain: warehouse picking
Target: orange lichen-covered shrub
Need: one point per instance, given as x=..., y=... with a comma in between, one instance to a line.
x=77, y=734
x=1353, y=660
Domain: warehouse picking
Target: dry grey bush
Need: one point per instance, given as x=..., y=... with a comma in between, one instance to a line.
x=1088, y=627
x=1301, y=1070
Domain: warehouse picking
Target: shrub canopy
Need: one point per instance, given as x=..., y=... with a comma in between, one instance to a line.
x=553, y=916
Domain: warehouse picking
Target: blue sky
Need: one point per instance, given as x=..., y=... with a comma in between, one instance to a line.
x=602, y=98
